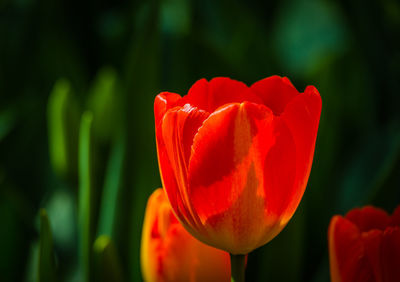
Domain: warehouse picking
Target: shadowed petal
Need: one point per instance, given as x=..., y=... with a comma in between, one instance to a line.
x=280, y=187
x=372, y=242
x=348, y=262
x=391, y=254
x=368, y=218
x=275, y=92
x=219, y=91
x=301, y=116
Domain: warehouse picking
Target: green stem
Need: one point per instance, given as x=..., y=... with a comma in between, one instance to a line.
x=238, y=265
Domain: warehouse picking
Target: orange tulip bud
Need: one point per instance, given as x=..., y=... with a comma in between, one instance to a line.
x=365, y=246
x=170, y=253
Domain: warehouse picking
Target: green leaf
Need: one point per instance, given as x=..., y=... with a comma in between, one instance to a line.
x=86, y=194
x=106, y=261
x=47, y=266
x=112, y=186
x=104, y=103
x=7, y=122
x=143, y=66
x=62, y=118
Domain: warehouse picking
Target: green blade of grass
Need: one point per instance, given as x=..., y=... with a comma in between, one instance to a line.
x=86, y=196
x=7, y=122
x=107, y=265
x=112, y=186
x=104, y=103
x=62, y=119
x=47, y=266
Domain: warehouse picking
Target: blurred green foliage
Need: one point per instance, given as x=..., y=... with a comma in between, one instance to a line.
x=106, y=260
x=62, y=117
x=77, y=84
x=47, y=264
x=87, y=196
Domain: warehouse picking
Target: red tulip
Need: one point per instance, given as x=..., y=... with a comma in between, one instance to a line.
x=364, y=246
x=235, y=160
x=170, y=253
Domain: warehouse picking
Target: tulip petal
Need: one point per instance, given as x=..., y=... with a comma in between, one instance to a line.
x=219, y=91
x=149, y=232
x=348, y=262
x=178, y=129
x=275, y=91
x=372, y=242
x=162, y=103
x=368, y=218
x=281, y=191
x=301, y=116
x=170, y=253
x=226, y=174
x=197, y=95
x=167, y=174
x=391, y=255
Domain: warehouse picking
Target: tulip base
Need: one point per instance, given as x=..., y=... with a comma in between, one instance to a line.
x=238, y=266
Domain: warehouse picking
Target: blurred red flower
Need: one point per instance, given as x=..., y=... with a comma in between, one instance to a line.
x=235, y=160
x=170, y=253
x=365, y=246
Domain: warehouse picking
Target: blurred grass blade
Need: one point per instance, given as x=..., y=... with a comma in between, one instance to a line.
x=62, y=115
x=107, y=265
x=112, y=185
x=7, y=122
x=143, y=67
x=104, y=103
x=86, y=195
x=47, y=266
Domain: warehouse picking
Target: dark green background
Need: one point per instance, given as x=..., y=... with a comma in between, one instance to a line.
x=350, y=50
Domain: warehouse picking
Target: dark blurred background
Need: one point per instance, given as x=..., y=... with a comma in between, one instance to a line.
x=59, y=59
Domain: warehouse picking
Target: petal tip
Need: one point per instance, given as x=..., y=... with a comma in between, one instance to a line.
x=162, y=103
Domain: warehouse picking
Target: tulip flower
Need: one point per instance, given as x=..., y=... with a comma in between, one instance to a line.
x=235, y=160
x=170, y=253
x=365, y=246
